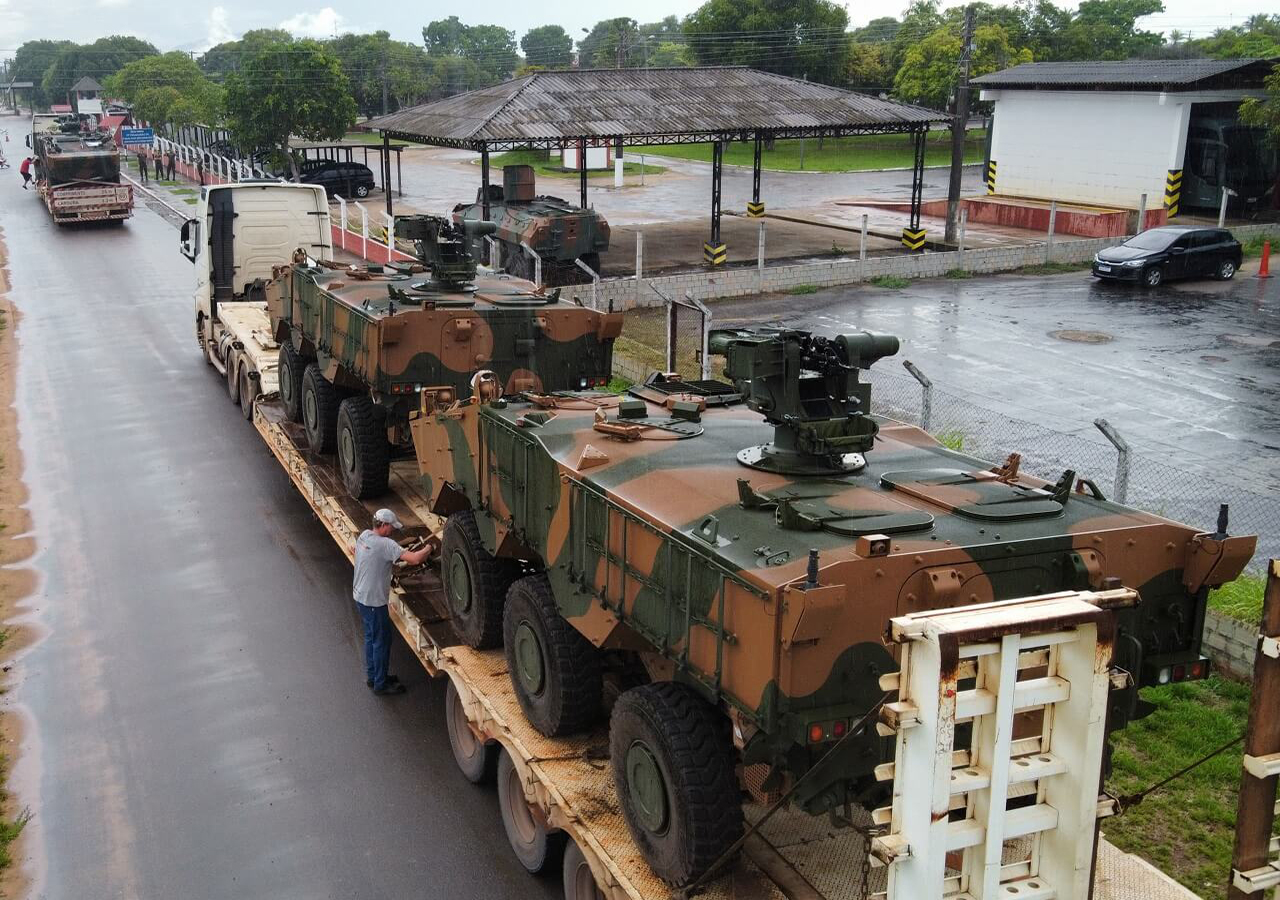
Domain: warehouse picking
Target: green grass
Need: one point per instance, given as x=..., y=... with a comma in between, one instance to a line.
x=192, y=200
x=1253, y=246
x=1052, y=268
x=184, y=190
x=366, y=137
x=800, y=289
x=543, y=165
x=958, y=273
x=1240, y=599
x=851, y=154
x=1187, y=828
x=618, y=385
x=890, y=281
x=952, y=440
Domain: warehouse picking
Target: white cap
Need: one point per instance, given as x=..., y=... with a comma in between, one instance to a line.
x=387, y=517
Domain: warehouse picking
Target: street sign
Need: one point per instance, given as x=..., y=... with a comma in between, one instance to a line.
x=138, y=137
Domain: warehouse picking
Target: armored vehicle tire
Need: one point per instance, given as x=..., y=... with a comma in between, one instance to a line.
x=534, y=843
x=364, y=457
x=475, y=583
x=477, y=758
x=247, y=392
x=233, y=383
x=1153, y=276
x=673, y=764
x=579, y=882
x=554, y=669
x=290, y=371
x=319, y=410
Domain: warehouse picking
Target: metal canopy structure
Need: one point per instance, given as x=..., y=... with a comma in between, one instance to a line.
x=597, y=107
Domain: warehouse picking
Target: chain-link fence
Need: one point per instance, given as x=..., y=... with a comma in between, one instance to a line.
x=1126, y=476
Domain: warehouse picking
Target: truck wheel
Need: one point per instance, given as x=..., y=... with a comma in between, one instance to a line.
x=554, y=669
x=478, y=759
x=364, y=459
x=673, y=764
x=475, y=583
x=248, y=394
x=290, y=371
x=534, y=843
x=233, y=383
x=579, y=882
x=319, y=410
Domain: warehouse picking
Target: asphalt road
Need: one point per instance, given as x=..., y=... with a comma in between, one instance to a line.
x=198, y=721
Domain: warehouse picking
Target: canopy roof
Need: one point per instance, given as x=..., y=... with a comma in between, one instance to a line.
x=655, y=106
x=1133, y=74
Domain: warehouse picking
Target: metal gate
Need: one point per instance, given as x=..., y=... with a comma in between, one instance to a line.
x=688, y=322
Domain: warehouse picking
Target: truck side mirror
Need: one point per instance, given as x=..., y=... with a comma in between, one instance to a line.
x=189, y=239
x=28, y=140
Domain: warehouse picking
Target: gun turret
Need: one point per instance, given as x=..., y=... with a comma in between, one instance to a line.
x=442, y=248
x=807, y=388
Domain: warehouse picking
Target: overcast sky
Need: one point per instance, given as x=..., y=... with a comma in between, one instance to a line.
x=186, y=26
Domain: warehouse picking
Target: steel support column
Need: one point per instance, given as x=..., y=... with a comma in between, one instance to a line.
x=385, y=161
x=582, y=173
x=755, y=208
x=714, y=251
x=484, y=184
x=913, y=235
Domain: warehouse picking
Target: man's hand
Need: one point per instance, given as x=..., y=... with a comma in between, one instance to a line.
x=430, y=545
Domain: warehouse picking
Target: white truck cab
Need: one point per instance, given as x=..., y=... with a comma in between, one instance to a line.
x=240, y=232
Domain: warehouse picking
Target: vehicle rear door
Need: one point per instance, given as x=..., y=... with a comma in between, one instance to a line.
x=1179, y=257
x=1202, y=255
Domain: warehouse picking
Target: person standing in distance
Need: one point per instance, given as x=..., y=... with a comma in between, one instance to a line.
x=376, y=556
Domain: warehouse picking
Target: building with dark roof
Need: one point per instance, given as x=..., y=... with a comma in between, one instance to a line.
x=1110, y=132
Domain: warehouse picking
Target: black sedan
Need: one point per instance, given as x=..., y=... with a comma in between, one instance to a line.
x=1171, y=252
x=347, y=179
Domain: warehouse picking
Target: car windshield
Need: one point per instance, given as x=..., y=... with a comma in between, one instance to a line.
x=1153, y=240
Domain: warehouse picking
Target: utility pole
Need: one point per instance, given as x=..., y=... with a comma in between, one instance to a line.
x=385, y=106
x=959, y=124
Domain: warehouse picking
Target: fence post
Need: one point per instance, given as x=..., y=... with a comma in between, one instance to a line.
x=1053, y=220
x=760, y=261
x=964, y=220
x=342, y=217
x=639, y=255
x=364, y=231
x=862, y=250
x=926, y=393
x=1142, y=215
x=1222, y=209
x=595, y=282
x=537, y=263
x=391, y=235
x=1121, y=489
x=705, y=362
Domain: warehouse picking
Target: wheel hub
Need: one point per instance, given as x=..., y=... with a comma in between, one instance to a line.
x=347, y=451
x=309, y=410
x=647, y=787
x=528, y=655
x=459, y=583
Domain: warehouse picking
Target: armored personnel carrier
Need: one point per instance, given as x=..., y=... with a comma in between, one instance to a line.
x=559, y=232
x=358, y=346
x=77, y=171
x=721, y=559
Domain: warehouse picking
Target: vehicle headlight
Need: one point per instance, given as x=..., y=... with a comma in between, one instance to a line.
x=1134, y=263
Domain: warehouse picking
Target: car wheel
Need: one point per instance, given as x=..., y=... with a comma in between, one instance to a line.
x=1153, y=276
x=362, y=190
x=1226, y=270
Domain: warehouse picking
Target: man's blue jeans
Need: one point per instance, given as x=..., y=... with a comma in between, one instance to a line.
x=377, y=643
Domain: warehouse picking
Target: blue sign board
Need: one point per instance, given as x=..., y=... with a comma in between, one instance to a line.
x=135, y=137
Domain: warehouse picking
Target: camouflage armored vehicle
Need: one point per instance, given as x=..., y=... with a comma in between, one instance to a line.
x=358, y=345
x=559, y=232
x=723, y=558
x=77, y=172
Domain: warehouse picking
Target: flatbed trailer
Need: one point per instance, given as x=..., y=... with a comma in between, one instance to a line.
x=561, y=791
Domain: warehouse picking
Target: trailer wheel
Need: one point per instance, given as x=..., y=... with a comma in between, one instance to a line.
x=233, y=384
x=478, y=759
x=364, y=459
x=673, y=763
x=247, y=393
x=290, y=370
x=475, y=583
x=579, y=882
x=534, y=843
x=554, y=669
x=319, y=410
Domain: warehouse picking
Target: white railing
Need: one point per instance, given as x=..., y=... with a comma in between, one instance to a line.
x=342, y=218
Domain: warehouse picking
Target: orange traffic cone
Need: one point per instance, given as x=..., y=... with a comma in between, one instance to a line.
x=1264, y=270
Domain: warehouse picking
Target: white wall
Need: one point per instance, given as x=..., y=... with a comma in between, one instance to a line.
x=1101, y=147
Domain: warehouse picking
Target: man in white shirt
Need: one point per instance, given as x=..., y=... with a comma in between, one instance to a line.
x=376, y=556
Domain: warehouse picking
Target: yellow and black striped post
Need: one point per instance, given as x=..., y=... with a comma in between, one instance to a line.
x=1172, y=191
x=991, y=177
x=755, y=210
x=715, y=254
x=755, y=207
x=714, y=250
x=913, y=238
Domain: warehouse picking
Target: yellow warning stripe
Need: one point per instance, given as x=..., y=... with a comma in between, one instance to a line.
x=1172, y=191
x=913, y=240
x=991, y=177
x=715, y=254
x=755, y=210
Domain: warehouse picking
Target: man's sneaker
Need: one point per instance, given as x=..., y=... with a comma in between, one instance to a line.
x=391, y=679
x=390, y=688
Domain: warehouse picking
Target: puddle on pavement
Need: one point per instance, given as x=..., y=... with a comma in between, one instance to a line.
x=1082, y=337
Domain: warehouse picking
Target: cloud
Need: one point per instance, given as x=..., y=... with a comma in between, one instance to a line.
x=219, y=31
x=323, y=24
x=112, y=4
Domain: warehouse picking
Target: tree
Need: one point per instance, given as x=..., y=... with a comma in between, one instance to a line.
x=491, y=49
x=286, y=89
x=610, y=44
x=31, y=61
x=369, y=60
x=1106, y=29
x=226, y=57
x=1258, y=37
x=1265, y=111
x=869, y=67
x=800, y=38
x=928, y=74
x=670, y=55
x=155, y=84
x=548, y=46
x=102, y=58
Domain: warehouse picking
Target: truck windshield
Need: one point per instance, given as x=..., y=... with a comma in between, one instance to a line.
x=1152, y=240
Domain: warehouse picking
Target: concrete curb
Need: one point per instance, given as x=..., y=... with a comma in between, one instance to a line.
x=156, y=197
x=803, y=171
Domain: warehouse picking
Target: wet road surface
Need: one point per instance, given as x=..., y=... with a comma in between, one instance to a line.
x=198, y=723
x=1189, y=372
